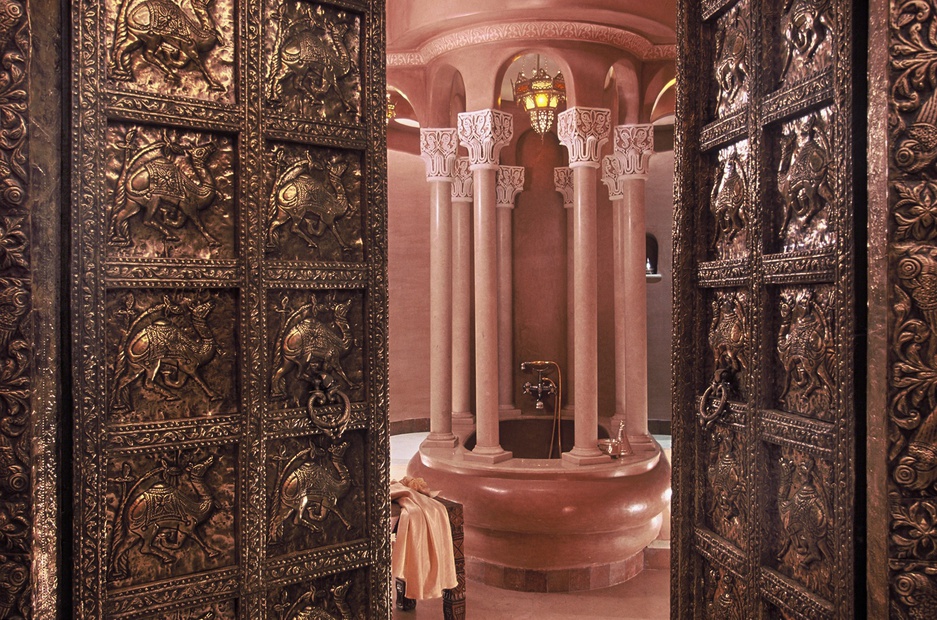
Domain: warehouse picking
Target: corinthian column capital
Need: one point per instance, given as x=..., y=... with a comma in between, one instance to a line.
x=462, y=181
x=508, y=184
x=563, y=183
x=635, y=144
x=613, y=175
x=484, y=133
x=438, y=149
x=583, y=131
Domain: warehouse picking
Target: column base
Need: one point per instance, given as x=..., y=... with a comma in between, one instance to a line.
x=488, y=455
x=584, y=456
x=462, y=415
x=440, y=440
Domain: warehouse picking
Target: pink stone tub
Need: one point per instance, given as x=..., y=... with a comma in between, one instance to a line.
x=545, y=525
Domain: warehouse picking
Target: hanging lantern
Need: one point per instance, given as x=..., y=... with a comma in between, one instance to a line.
x=540, y=95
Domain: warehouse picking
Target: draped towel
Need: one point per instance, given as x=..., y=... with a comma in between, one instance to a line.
x=422, y=554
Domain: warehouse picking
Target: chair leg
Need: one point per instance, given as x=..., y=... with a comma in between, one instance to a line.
x=403, y=603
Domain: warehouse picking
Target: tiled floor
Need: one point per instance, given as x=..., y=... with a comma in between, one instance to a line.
x=646, y=597
x=643, y=598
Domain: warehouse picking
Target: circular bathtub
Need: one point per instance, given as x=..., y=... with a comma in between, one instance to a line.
x=543, y=525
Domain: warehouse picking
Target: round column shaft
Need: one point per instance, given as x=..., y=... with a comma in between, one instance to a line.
x=509, y=183
x=583, y=131
x=462, y=276
x=484, y=133
x=563, y=182
x=438, y=148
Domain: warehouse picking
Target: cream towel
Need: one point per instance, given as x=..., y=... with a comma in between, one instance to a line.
x=422, y=554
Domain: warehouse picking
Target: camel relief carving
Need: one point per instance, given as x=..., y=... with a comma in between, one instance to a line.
x=727, y=199
x=306, y=344
x=152, y=181
x=301, y=192
x=731, y=69
x=805, y=513
x=310, y=491
x=161, y=512
x=806, y=26
x=804, y=182
x=310, y=55
x=306, y=607
x=166, y=345
x=169, y=37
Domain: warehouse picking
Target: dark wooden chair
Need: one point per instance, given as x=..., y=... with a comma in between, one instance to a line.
x=453, y=599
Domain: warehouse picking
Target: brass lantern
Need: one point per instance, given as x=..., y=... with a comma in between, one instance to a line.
x=540, y=95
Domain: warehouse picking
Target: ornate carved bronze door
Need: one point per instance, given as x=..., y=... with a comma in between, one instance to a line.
x=229, y=309
x=765, y=311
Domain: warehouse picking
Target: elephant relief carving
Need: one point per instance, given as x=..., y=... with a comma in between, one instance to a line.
x=310, y=196
x=307, y=345
x=724, y=604
x=312, y=57
x=154, y=181
x=308, y=491
x=728, y=337
x=167, y=36
x=805, y=348
x=731, y=67
x=804, y=182
x=306, y=606
x=805, y=513
x=727, y=200
x=162, y=511
x=165, y=346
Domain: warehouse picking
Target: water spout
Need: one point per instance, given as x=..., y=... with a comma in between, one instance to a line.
x=544, y=387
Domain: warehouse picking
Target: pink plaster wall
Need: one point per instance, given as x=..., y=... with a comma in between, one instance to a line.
x=659, y=296
x=408, y=289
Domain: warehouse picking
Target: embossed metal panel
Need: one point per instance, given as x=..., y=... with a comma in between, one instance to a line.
x=229, y=309
x=764, y=413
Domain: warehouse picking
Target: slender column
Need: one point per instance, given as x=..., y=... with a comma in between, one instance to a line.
x=634, y=145
x=438, y=148
x=484, y=133
x=563, y=182
x=462, y=345
x=583, y=131
x=509, y=183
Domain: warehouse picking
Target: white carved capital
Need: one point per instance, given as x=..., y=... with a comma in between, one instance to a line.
x=484, y=133
x=583, y=131
x=635, y=143
x=462, y=181
x=563, y=182
x=613, y=175
x=438, y=149
x=509, y=183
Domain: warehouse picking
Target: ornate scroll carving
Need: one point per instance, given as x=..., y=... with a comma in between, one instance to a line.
x=563, y=183
x=805, y=182
x=806, y=44
x=310, y=344
x=915, y=592
x=914, y=527
x=173, y=355
x=314, y=192
x=171, y=194
x=731, y=66
x=807, y=352
x=438, y=148
x=583, y=131
x=509, y=182
x=462, y=182
x=635, y=143
x=805, y=510
x=484, y=133
x=313, y=69
x=728, y=202
x=613, y=167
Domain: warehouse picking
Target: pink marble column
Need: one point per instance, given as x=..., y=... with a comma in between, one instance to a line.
x=438, y=149
x=509, y=182
x=625, y=173
x=583, y=131
x=563, y=182
x=462, y=341
x=484, y=133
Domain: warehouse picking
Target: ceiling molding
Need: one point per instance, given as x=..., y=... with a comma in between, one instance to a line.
x=538, y=31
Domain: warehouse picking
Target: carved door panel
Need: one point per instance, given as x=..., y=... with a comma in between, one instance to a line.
x=229, y=309
x=764, y=429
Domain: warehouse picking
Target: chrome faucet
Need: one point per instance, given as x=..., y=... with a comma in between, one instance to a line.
x=544, y=386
